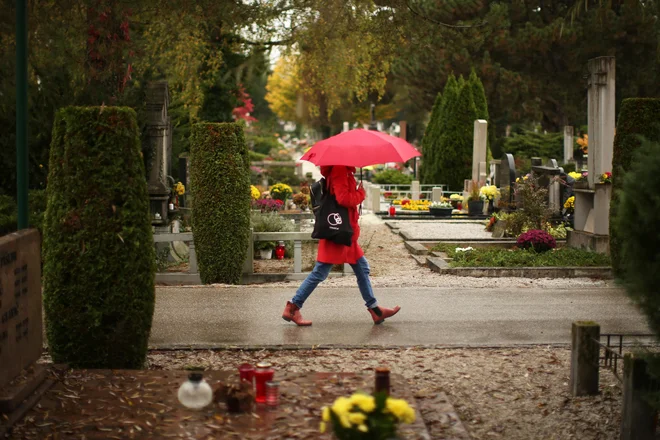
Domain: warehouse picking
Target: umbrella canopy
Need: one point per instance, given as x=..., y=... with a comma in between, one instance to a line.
x=359, y=148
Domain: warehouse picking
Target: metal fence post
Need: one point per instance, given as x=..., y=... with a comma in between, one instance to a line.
x=637, y=416
x=584, y=358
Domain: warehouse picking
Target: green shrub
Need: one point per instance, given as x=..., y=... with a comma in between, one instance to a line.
x=9, y=211
x=98, y=246
x=263, y=144
x=270, y=222
x=639, y=117
x=256, y=157
x=497, y=257
x=526, y=143
x=7, y=215
x=392, y=177
x=285, y=175
x=220, y=181
x=637, y=230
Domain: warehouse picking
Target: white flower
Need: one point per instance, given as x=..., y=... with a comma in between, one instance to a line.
x=469, y=248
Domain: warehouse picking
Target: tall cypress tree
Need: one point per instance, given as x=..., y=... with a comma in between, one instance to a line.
x=430, y=140
x=455, y=152
x=481, y=104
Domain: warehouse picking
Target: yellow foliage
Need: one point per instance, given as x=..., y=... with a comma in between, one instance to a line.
x=282, y=89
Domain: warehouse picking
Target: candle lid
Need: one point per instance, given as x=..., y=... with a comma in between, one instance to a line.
x=382, y=370
x=272, y=384
x=195, y=377
x=264, y=365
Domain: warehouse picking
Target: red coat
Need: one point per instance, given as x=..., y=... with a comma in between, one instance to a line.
x=342, y=184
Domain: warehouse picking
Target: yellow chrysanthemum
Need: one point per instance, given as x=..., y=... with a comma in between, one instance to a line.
x=364, y=402
x=254, y=192
x=341, y=406
x=401, y=410
x=363, y=428
x=357, y=418
x=326, y=414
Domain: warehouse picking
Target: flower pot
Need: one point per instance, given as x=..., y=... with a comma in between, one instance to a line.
x=475, y=207
x=266, y=254
x=441, y=212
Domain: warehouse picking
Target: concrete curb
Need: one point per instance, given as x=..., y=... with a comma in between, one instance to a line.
x=441, y=266
x=233, y=347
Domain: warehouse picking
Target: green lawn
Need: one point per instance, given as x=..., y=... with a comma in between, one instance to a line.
x=496, y=257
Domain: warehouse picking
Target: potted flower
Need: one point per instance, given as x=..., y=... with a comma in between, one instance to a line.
x=606, y=177
x=265, y=249
x=301, y=200
x=475, y=201
x=441, y=209
x=456, y=199
x=281, y=191
x=489, y=192
x=366, y=417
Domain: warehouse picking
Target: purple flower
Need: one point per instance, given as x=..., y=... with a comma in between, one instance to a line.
x=268, y=205
x=541, y=241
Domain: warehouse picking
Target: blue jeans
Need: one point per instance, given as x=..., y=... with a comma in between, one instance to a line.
x=321, y=272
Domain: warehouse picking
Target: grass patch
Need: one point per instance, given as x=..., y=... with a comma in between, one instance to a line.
x=493, y=257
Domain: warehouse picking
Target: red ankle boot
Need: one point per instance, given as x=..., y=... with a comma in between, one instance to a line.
x=379, y=314
x=292, y=313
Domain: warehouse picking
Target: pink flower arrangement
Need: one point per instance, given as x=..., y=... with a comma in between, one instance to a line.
x=539, y=240
x=268, y=205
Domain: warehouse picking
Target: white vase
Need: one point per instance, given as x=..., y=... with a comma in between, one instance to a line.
x=266, y=254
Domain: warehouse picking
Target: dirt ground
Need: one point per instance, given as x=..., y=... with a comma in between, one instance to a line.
x=507, y=393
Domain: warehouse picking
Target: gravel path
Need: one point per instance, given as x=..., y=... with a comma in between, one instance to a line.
x=513, y=394
x=393, y=266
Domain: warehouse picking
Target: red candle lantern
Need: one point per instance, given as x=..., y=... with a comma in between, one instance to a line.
x=264, y=373
x=280, y=249
x=392, y=210
x=246, y=372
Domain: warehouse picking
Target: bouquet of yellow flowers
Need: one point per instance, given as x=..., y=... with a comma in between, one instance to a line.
x=367, y=417
x=583, y=142
x=179, y=189
x=489, y=192
x=569, y=204
x=280, y=191
x=254, y=192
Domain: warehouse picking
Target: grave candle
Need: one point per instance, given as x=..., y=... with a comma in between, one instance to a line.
x=264, y=373
x=246, y=372
x=382, y=380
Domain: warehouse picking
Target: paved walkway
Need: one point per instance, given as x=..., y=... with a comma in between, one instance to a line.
x=248, y=316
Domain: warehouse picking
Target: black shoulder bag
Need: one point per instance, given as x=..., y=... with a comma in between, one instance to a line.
x=332, y=221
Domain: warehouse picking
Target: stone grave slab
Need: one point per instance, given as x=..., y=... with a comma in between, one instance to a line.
x=20, y=315
x=118, y=404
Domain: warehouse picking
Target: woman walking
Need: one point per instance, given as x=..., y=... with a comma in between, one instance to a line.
x=340, y=182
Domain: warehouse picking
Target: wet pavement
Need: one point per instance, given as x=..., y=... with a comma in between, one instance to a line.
x=249, y=316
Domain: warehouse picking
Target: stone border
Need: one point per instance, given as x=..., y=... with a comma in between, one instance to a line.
x=441, y=266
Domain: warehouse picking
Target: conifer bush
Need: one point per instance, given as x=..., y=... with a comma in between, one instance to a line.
x=220, y=181
x=637, y=231
x=99, y=259
x=639, y=118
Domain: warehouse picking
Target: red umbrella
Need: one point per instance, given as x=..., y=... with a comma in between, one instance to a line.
x=360, y=148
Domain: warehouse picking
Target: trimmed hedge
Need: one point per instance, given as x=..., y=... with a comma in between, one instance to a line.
x=98, y=247
x=220, y=183
x=639, y=118
x=637, y=226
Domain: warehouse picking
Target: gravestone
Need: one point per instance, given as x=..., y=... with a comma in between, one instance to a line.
x=592, y=204
x=546, y=176
x=21, y=340
x=568, y=144
x=507, y=175
x=160, y=143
